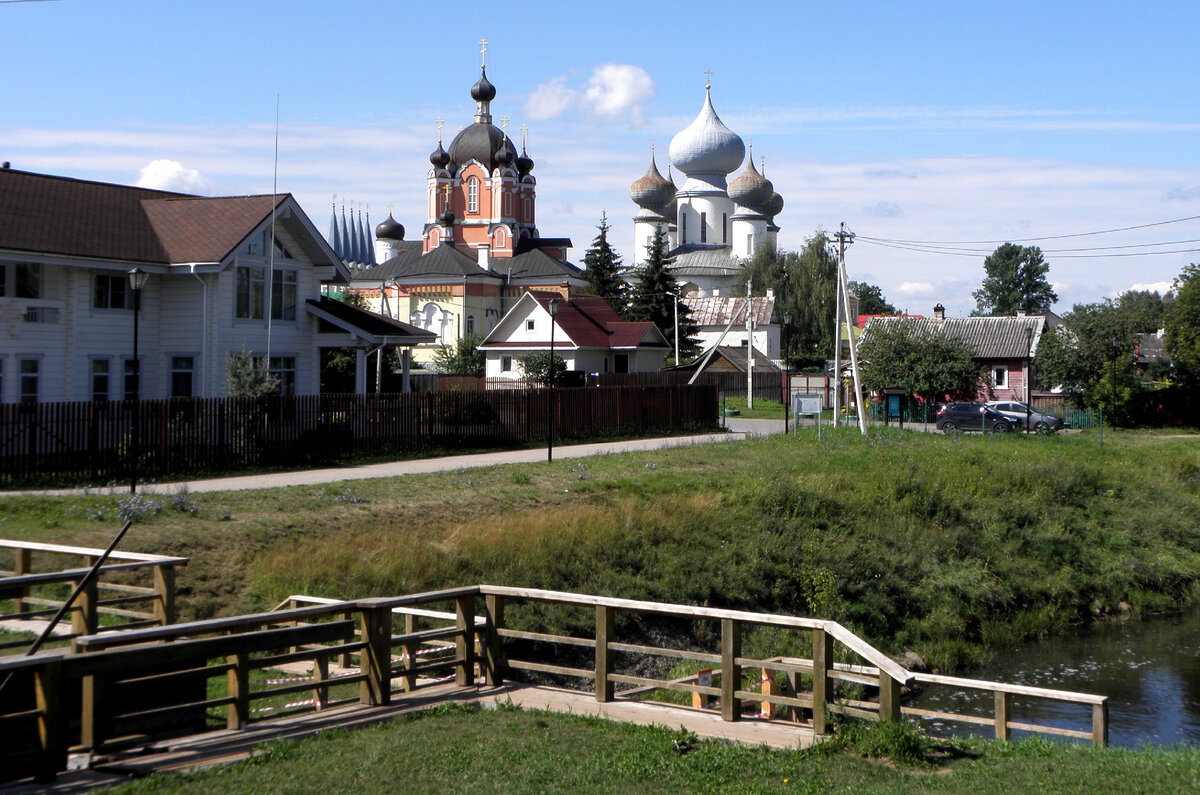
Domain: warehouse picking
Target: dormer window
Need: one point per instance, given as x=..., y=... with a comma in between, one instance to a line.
x=472, y=195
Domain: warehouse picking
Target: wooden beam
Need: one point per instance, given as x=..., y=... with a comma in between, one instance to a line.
x=822, y=657
x=731, y=672
x=604, y=627
x=494, y=650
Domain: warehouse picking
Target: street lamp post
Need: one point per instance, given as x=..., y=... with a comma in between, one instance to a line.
x=137, y=280
x=787, y=373
x=1028, y=372
x=553, y=307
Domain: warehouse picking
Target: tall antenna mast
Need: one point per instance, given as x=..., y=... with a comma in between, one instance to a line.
x=271, y=255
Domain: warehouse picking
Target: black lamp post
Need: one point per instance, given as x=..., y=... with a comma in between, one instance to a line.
x=787, y=372
x=137, y=280
x=553, y=307
x=1028, y=373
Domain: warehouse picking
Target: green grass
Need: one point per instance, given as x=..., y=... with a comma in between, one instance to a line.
x=950, y=547
x=458, y=749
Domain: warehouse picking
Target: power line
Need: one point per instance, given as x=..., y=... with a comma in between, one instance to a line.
x=1066, y=253
x=1027, y=239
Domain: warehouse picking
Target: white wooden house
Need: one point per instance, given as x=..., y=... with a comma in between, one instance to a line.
x=588, y=335
x=223, y=274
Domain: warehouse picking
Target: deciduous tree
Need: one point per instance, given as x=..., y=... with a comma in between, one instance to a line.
x=462, y=358
x=897, y=354
x=1183, y=327
x=1015, y=280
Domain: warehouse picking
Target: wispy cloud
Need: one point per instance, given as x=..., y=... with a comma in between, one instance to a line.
x=613, y=91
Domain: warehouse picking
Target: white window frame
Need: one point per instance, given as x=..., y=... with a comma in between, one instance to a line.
x=284, y=289
x=172, y=360
x=24, y=396
x=247, y=302
x=473, y=195
x=106, y=287
x=506, y=363
x=106, y=394
x=1000, y=376
x=284, y=368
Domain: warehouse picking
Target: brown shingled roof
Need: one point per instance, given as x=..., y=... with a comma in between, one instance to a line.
x=73, y=217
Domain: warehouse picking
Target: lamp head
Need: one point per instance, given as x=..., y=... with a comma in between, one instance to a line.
x=137, y=278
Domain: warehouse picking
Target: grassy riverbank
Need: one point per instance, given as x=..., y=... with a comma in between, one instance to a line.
x=946, y=546
x=506, y=750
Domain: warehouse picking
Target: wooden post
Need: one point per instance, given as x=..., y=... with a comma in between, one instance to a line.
x=464, y=641
x=494, y=653
x=1100, y=724
x=793, y=690
x=889, y=699
x=52, y=746
x=164, y=591
x=376, y=657
x=604, y=627
x=320, y=677
x=84, y=617
x=344, y=657
x=91, y=706
x=731, y=672
x=1002, y=730
x=409, y=650
x=822, y=660
x=237, y=686
x=767, y=682
x=22, y=567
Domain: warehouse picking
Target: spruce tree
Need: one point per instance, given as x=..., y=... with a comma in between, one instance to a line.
x=603, y=266
x=654, y=297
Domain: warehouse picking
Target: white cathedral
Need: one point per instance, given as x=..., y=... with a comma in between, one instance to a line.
x=712, y=226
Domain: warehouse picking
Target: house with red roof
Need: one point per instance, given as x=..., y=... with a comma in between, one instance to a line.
x=222, y=274
x=588, y=335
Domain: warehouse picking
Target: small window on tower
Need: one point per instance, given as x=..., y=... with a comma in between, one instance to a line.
x=724, y=227
x=703, y=227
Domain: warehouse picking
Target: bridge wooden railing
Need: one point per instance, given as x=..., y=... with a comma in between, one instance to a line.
x=153, y=682
x=143, y=596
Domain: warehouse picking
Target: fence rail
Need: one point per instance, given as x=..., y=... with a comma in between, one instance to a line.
x=93, y=441
x=154, y=682
x=132, y=590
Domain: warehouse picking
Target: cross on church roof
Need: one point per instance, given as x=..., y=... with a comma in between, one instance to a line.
x=440, y=122
x=483, y=43
x=524, y=130
x=707, y=79
x=504, y=123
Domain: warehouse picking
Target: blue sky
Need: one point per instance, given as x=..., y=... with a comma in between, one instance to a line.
x=965, y=123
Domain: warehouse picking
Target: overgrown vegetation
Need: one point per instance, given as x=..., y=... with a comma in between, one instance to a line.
x=454, y=749
x=945, y=546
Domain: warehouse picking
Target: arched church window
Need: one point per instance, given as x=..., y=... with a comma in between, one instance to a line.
x=473, y=195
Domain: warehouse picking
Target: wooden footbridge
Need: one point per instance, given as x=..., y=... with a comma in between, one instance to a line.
x=178, y=696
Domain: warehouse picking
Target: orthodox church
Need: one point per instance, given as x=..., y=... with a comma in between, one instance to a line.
x=712, y=225
x=479, y=249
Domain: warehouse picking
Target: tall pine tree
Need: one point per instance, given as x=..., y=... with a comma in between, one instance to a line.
x=655, y=297
x=603, y=266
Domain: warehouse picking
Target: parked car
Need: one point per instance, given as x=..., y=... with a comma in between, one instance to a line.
x=1026, y=416
x=954, y=417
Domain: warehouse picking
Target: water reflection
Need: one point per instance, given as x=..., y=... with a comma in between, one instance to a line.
x=1150, y=671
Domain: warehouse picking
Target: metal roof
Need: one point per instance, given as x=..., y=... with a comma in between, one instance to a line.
x=988, y=337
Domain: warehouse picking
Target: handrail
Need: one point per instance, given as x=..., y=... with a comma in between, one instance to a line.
x=1016, y=690
x=35, y=546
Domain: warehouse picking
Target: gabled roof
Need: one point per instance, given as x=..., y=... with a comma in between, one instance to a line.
x=445, y=260
x=717, y=311
x=537, y=263
x=736, y=356
x=199, y=229
x=410, y=251
x=988, y=337
x=586, y=321
x=49, y=215
x=371, y=326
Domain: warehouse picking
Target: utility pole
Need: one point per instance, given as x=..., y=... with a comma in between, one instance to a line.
x=837, y=342
x=844, y=237
x=749, y=347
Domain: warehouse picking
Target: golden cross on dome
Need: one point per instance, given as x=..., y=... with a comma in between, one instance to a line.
x=707, y=79
x=483, y=43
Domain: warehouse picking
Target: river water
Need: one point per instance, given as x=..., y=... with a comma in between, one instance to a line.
x=1149, y=669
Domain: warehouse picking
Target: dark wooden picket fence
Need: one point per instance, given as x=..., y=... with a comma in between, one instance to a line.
x=93, y=442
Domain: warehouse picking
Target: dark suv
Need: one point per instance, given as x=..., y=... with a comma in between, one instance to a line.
x=954, y=417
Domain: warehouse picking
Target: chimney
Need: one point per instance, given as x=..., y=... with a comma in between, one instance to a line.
x=770, y=292
x=939, y=312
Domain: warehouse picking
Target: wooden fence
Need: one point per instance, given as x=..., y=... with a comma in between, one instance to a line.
x=95, y=442
x=155, y=682
x=132, y=590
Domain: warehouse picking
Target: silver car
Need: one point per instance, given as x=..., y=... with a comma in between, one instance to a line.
x=1026, y=416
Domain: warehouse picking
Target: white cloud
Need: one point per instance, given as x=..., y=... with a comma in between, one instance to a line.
x=1154, y=287
x=615, y=91
x=884, y=209
x=913, y=289
x=1183, y=194
x=550, y=99
x=620, y=90
x=171, y=175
